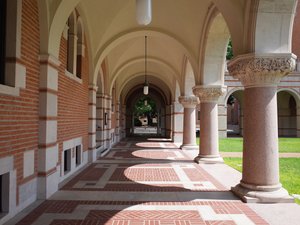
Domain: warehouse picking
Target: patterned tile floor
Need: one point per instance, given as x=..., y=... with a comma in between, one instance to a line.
x=143, y=183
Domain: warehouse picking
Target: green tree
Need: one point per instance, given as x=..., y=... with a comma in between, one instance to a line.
x=229, y=54
x=144, y=106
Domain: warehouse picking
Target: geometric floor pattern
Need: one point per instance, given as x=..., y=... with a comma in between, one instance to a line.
x=143, y=183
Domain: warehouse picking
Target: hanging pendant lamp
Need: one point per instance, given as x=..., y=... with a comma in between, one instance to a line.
x=146, y=84
x=143, y=12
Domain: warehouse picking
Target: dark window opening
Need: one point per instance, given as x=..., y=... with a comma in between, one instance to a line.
x=293, y=106
x=1, y=192
x=4, y=193
x=67, y=160
x=3, y=5
x=79, y=66
x=78, y=155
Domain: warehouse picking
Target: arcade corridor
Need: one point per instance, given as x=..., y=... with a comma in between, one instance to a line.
x=143, y=182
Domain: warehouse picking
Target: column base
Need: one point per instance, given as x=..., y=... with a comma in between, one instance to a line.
x=189, y=147
x=208, y=159
x=259, y=195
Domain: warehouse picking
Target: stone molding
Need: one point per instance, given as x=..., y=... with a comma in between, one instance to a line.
x=188, y=101
x=209, y=93
x=260, y=70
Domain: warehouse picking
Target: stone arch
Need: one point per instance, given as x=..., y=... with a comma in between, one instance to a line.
x=274, y=25
x=231, y=92
x=119, y=71
x=63, y=11
x=44, y=22
x=292, y=92
x=213, y=52
x=164, y=93
x=189, y=78
x=124, y=36
x=234, y=21
x=100, y=81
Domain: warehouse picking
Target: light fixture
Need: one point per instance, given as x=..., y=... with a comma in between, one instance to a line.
x=146, y=84
x=143, y=12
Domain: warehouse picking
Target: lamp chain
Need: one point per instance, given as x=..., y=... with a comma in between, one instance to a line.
x=145, y=59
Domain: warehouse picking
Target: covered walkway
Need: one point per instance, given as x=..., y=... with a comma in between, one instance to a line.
x=142, y=182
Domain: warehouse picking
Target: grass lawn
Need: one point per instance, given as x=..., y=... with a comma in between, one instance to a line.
x=236, y=144
x=289, y=172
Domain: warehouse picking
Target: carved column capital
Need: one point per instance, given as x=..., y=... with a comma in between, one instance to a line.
x=189, y=101
x=209, y=93
x=259, y=70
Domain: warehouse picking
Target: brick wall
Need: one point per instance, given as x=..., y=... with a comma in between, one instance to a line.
x=72, y=102
x=19, y=115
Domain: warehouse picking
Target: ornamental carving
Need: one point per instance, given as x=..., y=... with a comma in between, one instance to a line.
x=189, y=101
x=262, y=70
x=209, y=93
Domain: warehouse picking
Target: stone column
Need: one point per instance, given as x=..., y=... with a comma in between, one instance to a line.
x=189, y=122
x=260, y=75
x=177, y=118
x=48, y=165
x=92, y=156
x=209, y=133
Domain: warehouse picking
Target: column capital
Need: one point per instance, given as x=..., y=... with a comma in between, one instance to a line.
x=209, y=93
x=260, y=70
x=188, y=101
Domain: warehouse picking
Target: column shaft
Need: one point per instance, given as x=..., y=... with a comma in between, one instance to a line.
x=189, y=121
x=209, y=138
x=261, y=164
x=189, y=134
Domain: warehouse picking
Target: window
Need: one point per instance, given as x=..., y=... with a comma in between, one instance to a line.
x=72, y=44
x=2, y=40
x=78, y=155
x=80, y=48
x=75, y=47
x=67, y=160
x=12, y=72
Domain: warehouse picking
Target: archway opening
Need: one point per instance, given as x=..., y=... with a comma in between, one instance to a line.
x=145, y=116
x=235, y=114
x=287, y=114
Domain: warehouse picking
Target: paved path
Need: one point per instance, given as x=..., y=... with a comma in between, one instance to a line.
x=240, y=154
x=143, y=183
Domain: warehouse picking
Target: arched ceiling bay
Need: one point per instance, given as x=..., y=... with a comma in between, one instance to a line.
x=155, y=84
x=114, y=35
